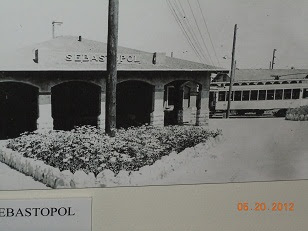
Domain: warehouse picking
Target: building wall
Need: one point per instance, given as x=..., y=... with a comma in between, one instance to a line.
x=45, y=80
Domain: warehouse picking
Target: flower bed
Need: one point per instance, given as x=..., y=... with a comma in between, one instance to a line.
x=299, y=113
x=89, y=150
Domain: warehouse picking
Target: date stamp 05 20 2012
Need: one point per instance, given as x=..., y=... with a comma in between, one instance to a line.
x=262, y=206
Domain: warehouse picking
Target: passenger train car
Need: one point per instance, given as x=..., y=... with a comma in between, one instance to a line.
x=257, y=97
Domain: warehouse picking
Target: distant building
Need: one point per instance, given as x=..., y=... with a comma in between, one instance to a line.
x=59, y=84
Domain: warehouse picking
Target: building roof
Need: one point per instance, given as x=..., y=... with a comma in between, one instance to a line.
x=267, y=74
x=52, y=55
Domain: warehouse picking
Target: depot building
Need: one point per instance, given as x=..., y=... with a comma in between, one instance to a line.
x=60, y=84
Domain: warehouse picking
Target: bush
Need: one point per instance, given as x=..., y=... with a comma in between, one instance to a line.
x=303, y=110
x=89, y=149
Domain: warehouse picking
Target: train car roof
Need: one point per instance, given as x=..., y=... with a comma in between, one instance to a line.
x=266, y=74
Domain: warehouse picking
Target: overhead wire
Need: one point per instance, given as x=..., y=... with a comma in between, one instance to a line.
x=208, y=31
x=190, y=42
x=190, y=28
x=173, y=12
x=200, y=32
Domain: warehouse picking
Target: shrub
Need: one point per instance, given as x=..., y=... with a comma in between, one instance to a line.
x=303, y=110
x=89, y=149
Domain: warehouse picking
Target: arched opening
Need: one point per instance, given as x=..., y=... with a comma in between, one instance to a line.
x=18, y=109
x=268, y=83
x=252, y=83
x=180, y=100
x=260, y=83
x=134, y=103
x=285, y=82
x=244, y=84
x=75, y=103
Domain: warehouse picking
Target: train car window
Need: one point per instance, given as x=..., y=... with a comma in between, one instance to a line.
x=278, y=94
x=254, y=95
x=262, y=94
x=227, y=95
x=245, y=96
x=287, y=94
x=295, y=93
x=222, y=96
x=305, y=93
x=270, y=95
x=237, y=95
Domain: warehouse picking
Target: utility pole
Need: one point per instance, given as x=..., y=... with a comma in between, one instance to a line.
x=53, y=27
x=111, y=82
x=273, y=61
x=231, y=71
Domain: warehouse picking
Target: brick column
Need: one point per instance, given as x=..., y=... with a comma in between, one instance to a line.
x=101, y=118
x=202, y=116
x=45, y=120
x=157, y=116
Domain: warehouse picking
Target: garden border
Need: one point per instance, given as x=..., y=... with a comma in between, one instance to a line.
x=54, y=178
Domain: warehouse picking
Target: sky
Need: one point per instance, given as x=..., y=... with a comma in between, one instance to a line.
x=263, y=25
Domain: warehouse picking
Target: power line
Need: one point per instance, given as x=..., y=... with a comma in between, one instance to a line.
x=208, y=31
x=200, y=32
x=191, y=43
x=171, y=8
x=190, y=31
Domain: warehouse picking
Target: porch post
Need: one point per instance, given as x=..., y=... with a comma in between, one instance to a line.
x=157, y=115
x=202, y=117
x=45, y=120
x=101, y=117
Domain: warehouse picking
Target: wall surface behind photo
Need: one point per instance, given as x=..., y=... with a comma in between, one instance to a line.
x=189, y=207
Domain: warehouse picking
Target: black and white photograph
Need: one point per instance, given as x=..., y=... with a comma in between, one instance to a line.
x=114, y=93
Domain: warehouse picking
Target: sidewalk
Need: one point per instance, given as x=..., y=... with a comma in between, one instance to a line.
x=11, y=179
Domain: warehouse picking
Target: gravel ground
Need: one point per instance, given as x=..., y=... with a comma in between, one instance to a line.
x=258, y=149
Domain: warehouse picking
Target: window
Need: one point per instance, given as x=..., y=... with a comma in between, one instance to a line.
x=262, y=94
x=278, y=94
x=295, y=93
x=254, y=95
x=287, y=94
x=270, y=95
x=237, y=95
x=305, y=94
x=227, y=95
x=245, y=96
x=222, y=96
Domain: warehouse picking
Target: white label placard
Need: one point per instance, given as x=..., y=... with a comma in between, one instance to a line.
x=69, y=214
